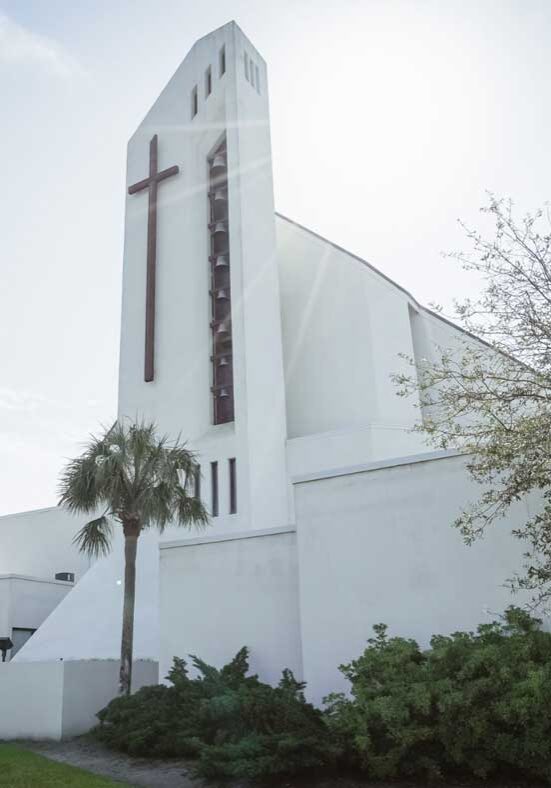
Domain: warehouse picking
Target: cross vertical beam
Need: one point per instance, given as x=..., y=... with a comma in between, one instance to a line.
x=151, y=184
x=149, y=366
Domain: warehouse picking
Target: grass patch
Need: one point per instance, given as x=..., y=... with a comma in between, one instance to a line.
x=22, y=769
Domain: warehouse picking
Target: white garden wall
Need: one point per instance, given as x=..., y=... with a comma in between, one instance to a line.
x=31, y=697
x=89, y=686
x=53, y=700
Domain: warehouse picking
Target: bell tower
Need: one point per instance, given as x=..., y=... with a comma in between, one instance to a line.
x=201, y=343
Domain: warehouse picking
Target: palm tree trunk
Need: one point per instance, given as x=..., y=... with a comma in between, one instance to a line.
x=131, y=530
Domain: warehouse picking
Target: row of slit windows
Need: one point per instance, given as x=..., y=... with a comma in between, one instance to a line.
x=208, y=82
x=214, y=488
x=252, y=74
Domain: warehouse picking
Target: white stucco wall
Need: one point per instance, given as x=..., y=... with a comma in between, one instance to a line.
x=25, y=602
x=39, y=543
x=54, y=700
x=32, y=700
x=88, y=686
x=343, y=448
x=344, y=326
x=378, y=546
x=87, y=623
x=220, y=595
x=34, y=547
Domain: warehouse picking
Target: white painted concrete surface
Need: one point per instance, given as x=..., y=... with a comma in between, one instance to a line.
x=54, y=700
x=88, y=686
x=39, y=543
x=32, y=700
x=378, y=546
x=344, y=326
x=87, y=624
x=25, y=602
x=220, y=595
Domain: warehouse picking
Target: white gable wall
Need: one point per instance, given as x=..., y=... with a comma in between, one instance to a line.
x=344, y=326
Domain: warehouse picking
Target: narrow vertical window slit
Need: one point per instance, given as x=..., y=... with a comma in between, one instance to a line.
x=197, y=482
x=233, y=486
x=214, y=488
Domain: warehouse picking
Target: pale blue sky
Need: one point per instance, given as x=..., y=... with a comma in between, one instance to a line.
x=390, y=119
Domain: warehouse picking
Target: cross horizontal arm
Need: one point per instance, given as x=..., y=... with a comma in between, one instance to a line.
x=167, y=173
x=137, y=187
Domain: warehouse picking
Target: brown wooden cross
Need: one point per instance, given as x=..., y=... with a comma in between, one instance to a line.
x=152, y=184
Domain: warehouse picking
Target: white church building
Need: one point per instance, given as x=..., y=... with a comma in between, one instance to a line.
x=270, y=350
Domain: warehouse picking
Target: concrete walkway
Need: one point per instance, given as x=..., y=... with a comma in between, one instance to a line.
x=92, y=756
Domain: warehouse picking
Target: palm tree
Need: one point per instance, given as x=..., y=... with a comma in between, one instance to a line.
x=141, y=480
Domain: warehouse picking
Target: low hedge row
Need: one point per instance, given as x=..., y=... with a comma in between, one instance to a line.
x=474, y=703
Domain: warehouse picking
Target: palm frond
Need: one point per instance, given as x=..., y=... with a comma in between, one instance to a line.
x=131, y=469
x=94, y=538
x=189, y=511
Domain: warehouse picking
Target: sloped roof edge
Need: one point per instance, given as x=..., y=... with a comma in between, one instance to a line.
x=375, y=270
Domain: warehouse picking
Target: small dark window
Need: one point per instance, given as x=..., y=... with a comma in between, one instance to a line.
x=222, y=61
x=233, y=486
x=214, y=488
x=19, y=637
x=208, y=82
x=257, y=79
x=251, y=66
x=197, y=482
x=246, y=66
x=194, y=102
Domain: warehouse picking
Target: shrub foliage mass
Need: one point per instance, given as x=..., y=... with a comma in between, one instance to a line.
x=474, y=704
x=232, y=723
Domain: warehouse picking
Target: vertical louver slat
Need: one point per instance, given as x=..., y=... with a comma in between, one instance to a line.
x=220, y=290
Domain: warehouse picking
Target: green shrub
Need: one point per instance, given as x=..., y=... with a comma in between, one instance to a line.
x=234, y=724
x=388, y=725
x=475, y=702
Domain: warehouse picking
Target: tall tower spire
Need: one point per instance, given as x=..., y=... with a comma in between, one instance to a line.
x=218, y=376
